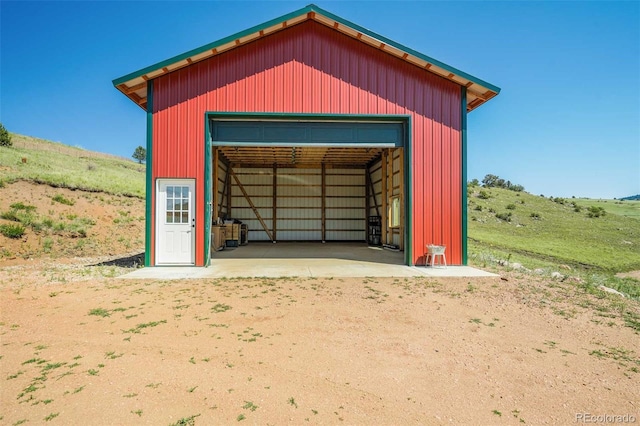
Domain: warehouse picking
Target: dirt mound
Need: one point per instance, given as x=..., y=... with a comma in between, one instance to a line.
x=63, y=223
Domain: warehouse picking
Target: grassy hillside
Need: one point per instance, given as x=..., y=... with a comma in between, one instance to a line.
x=558, y=229
x=626, y=208
x=59, y=165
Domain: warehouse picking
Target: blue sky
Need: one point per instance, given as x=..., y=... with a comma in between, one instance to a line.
x=567, y=122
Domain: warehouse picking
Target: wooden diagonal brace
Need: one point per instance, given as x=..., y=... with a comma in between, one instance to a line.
x=373, y=191
x=255, y=210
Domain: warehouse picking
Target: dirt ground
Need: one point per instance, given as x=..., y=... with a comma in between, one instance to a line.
x=80, y=345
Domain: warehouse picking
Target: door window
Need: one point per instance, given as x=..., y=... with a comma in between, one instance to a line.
x=177, y=204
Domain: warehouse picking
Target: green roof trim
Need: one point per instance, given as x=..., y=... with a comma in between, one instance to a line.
x=294, y=14
x=149, y=194
x=405, y=48
x=212, y=45
x=464, y=203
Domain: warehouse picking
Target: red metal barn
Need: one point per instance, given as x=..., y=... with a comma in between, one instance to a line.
x=304, y=128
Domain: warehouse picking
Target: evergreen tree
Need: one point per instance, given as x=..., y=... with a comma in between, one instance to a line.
x=140, y=154
x=5, y=137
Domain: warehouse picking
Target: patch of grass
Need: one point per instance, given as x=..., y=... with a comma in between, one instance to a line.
x=47, y=245
x=186, y=421
x=21, y=206
x=138, y=328
x=220, y=307
x=51, y=416
x=59, y=198
x=11, y=215
x=248, y=405
x=12, y=231
x=240, y=417
x=292, y=402
x=15, y=376
x=112, y=355
x=99, y=312
x=51, y=366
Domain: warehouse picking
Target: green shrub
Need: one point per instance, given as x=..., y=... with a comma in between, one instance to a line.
x=47, y=245
x=595, y=211
x=478, y=208
x=511, y=207
x=484, y=195
x=59, y=198
x=5, y=137
x=558, y=200
x=534, y=215
x=504, y=216
x=12, y=231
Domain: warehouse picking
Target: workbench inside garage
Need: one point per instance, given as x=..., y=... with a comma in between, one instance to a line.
x=229, y=235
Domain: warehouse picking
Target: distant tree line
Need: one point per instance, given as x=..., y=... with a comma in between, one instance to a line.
x=493, y=181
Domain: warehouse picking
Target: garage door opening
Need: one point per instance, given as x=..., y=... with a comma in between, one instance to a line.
x=336, y=182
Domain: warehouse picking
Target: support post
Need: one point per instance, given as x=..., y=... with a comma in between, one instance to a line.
x=215, y=185
x=324, y=204
x=274, y=214
x=385, y=224
x=401, y=180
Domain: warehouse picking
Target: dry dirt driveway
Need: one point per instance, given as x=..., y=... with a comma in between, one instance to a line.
x=319, y=351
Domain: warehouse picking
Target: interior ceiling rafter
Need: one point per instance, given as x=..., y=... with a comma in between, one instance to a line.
x=290, y=156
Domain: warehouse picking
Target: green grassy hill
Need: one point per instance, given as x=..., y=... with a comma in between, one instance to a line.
x=593, y=240
x=59, y=165
x=628, y=208
x=555, y=229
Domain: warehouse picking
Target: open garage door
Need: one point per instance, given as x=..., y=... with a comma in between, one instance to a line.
x=306, y=180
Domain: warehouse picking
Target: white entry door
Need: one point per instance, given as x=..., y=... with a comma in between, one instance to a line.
x=175, y=222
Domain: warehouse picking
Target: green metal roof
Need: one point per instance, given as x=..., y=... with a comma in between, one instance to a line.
x=134, y=85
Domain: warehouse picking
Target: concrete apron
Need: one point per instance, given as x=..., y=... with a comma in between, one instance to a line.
x=305, y=260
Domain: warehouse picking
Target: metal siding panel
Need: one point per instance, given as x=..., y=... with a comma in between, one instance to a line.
x=419, y=196
x=258, y=236
x=279, y=73
x=445, y=230
x=346, y=235
x=457, y=185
